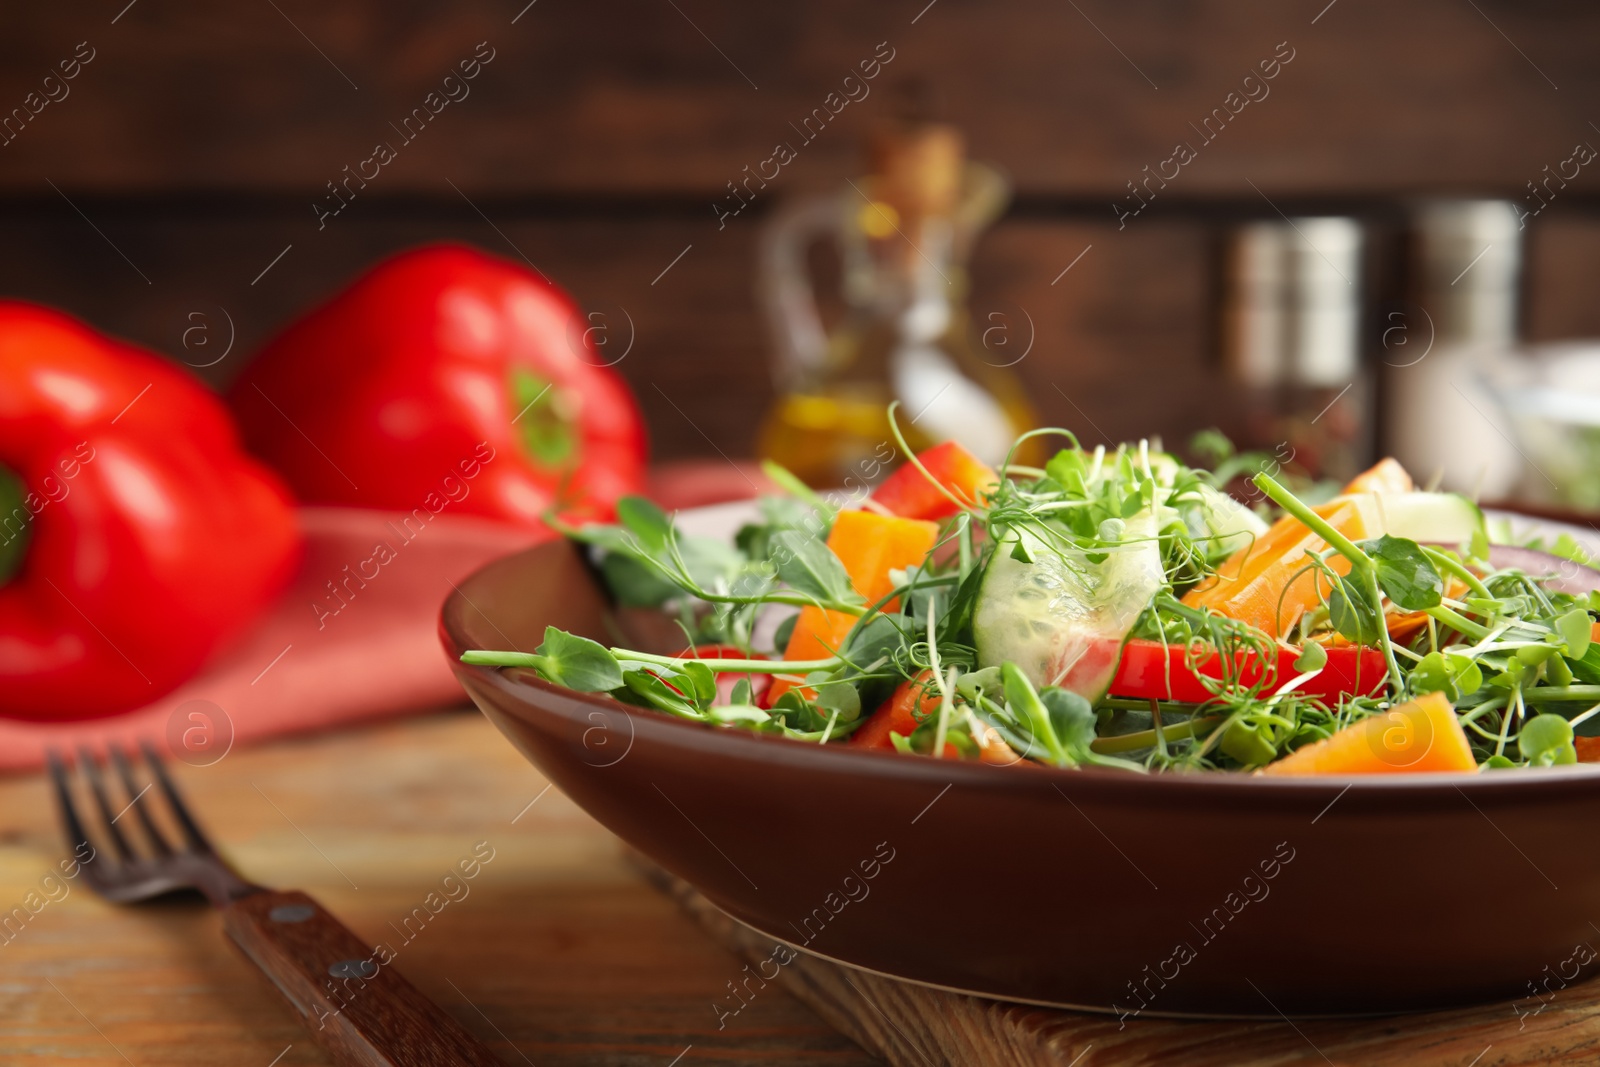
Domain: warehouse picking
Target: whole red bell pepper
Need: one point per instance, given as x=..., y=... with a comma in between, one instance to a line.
x=446, y=377
x=135, y=534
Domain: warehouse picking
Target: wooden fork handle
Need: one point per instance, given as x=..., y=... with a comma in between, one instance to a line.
x=348, y=994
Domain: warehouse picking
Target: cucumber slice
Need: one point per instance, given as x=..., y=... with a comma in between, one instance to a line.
x=1221, y=523
x=1440, y=518
x=1062, y=618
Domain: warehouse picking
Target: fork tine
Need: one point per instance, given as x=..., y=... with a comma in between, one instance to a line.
x=125, y=772
x=90, y=769
x=69, y=811
x=191, y=830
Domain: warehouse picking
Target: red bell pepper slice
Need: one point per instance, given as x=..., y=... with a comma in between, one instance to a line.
x=1151, y=670
x=909, y=494
x=447, y=378
x=912, y=702
x=135, y=536
x=910, y=705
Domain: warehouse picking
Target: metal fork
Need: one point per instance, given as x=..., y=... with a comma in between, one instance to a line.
x=356, y=1005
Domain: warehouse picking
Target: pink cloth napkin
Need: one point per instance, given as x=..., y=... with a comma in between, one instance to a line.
x=318, y=659
x=315, y=660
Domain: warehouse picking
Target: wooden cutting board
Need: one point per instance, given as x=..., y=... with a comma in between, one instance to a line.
x=910, y=1025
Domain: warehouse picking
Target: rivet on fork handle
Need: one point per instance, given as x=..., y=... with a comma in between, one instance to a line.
x=356, y=1005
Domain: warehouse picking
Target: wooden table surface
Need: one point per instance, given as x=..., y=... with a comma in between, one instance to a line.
x=559, y=953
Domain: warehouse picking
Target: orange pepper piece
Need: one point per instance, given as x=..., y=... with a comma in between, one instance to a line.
x=1259, y=585
x=870, y=546
x=1385, y=476
x=1421, y=735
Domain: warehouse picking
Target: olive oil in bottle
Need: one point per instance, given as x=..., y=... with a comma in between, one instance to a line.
x=904, y=234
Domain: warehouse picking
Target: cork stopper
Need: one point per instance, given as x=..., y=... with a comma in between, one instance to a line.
x=917, y=168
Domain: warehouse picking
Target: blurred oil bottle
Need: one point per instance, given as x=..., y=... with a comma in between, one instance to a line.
x=1291, y=342
x=904, y=234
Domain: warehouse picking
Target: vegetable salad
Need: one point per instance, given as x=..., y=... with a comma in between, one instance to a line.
x=1114, y=608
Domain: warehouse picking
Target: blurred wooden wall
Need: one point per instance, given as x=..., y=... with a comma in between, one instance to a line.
x=188, y=153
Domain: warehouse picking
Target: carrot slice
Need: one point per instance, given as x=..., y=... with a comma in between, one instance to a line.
x=869, y=546
x=1259, y=583
x=1385, y=476
x=1421, y=735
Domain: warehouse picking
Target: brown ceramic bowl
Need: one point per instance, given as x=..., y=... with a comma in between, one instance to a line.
x=1213, y=894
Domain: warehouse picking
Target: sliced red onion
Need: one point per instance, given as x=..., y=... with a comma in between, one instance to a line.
x=1559, y=575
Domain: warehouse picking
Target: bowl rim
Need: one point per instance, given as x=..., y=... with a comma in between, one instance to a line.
x=525, y=689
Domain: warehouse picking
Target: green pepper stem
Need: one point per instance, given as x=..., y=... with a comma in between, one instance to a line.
x=13, y=543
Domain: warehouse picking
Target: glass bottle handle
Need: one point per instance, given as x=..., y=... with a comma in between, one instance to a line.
x=799, y=340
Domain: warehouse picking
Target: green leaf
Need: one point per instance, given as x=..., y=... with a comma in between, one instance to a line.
x=1546, y=740
x=702, y=681
x=791, y=707
x=741, y=692
x=1025, y=704
x=578, y=663
x=956, y=625
x=654, y=691
x=973, y=684
x=633, y=584
x=1575, y=628
x=1478, y=547
x=1567, y=547
x=1353, y=614
x=646, y=521
x=1113, y=530
x=606, y=536
x=880, y=638
x=1533, y=655
x=790, y=483
x=1406, y=576
x=1072, y=718
x=1312, y=657
x=709, y=560
x=1464, y=673
x=785, y=630
x=1068, y=468
x=1073, y=721
x=739, y=713
x=811, y=567
x=1451, y=673
x=1249, y=743
x=1211, y=446
x=841, y=697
